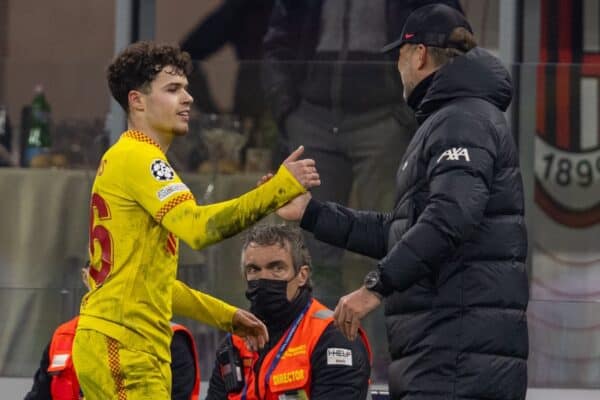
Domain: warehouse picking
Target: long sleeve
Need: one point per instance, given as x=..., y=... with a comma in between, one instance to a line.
x=363, y=232
x=202, y=307
x=460, y=172
x=152, y=183
x=200, y=226
x=214, y=31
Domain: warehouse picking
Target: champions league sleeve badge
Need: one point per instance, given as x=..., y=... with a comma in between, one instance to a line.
x=161, y=171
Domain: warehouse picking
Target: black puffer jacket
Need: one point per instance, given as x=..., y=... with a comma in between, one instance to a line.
x=454, y=248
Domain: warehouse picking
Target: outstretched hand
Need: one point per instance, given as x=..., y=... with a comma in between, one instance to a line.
x=246, y=325
x=294, y=209
x=304, y=170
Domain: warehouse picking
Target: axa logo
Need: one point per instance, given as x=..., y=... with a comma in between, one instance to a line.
x=455, y=154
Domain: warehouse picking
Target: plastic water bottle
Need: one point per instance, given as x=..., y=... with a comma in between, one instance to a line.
x=38, y=138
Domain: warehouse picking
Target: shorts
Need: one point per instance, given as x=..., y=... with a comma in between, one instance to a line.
x=108, y=370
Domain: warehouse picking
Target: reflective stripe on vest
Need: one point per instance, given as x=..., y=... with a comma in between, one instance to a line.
x=293, y=372
x=180, y=328
x=64, y=384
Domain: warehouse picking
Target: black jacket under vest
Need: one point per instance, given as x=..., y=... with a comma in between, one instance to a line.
x=453, y=249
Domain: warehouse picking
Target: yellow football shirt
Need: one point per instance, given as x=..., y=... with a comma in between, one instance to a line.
x=139, y=208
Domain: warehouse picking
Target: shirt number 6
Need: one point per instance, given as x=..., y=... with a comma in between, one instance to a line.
x=101, y=235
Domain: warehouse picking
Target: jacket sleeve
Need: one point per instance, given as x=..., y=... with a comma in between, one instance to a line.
x=183, y=370
x=348, y=382
x=214, y=31
x=363, y=232
x=41, y=380
x=216, y=386
x=459, y=153
x=280, y=65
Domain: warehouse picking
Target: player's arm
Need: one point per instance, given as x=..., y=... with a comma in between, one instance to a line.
x=200, y=226
x=153, y=184
x=202, y=307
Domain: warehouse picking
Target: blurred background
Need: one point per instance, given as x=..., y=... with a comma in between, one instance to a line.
x=57, y=118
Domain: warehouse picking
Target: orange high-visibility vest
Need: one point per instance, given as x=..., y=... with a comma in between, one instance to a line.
x=293, y=371
x=180, y=328
x=64, y=384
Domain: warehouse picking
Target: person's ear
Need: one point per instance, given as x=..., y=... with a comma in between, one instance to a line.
x=422, y=56
x=136, y=100
x=303, y=275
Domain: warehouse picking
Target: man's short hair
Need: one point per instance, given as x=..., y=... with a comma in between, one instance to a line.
x=139, y=63
x=287, y=236
x=462, y=41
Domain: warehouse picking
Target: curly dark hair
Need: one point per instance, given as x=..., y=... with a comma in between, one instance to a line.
x=139, y=63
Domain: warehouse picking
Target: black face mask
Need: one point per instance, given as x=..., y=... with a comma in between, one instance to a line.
x=268, y=298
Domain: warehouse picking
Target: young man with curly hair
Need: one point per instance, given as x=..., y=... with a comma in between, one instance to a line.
x=139, y=210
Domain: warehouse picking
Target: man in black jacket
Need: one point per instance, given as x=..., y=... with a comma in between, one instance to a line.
x=452, y=252
x=306, y=356
x=331, y=89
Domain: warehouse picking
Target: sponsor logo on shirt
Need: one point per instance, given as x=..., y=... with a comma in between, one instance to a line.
x=161, y=171
x=337, y=356
x=168, y=190
x=454, y=154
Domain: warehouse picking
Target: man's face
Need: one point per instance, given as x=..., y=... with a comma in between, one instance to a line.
x=407, y=68
x=273, y=262
x=167, y=103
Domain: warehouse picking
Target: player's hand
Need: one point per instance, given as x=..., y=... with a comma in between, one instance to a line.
x=352, y=308
x=294, y=209
x=246, y=325
x=304, y=170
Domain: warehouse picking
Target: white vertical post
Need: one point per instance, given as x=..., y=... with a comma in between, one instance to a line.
x=528, y=106
x=147, y=18
x=115, y=120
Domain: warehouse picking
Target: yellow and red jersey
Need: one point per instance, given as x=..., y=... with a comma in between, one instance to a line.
x=139, y=208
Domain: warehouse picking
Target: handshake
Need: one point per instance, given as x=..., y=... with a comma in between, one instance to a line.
x=305, y=172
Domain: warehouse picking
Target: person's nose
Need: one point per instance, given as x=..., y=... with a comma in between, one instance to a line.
x=263, y=274
x=188, y=99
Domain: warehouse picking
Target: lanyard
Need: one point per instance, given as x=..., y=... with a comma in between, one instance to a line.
x=281, y=350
